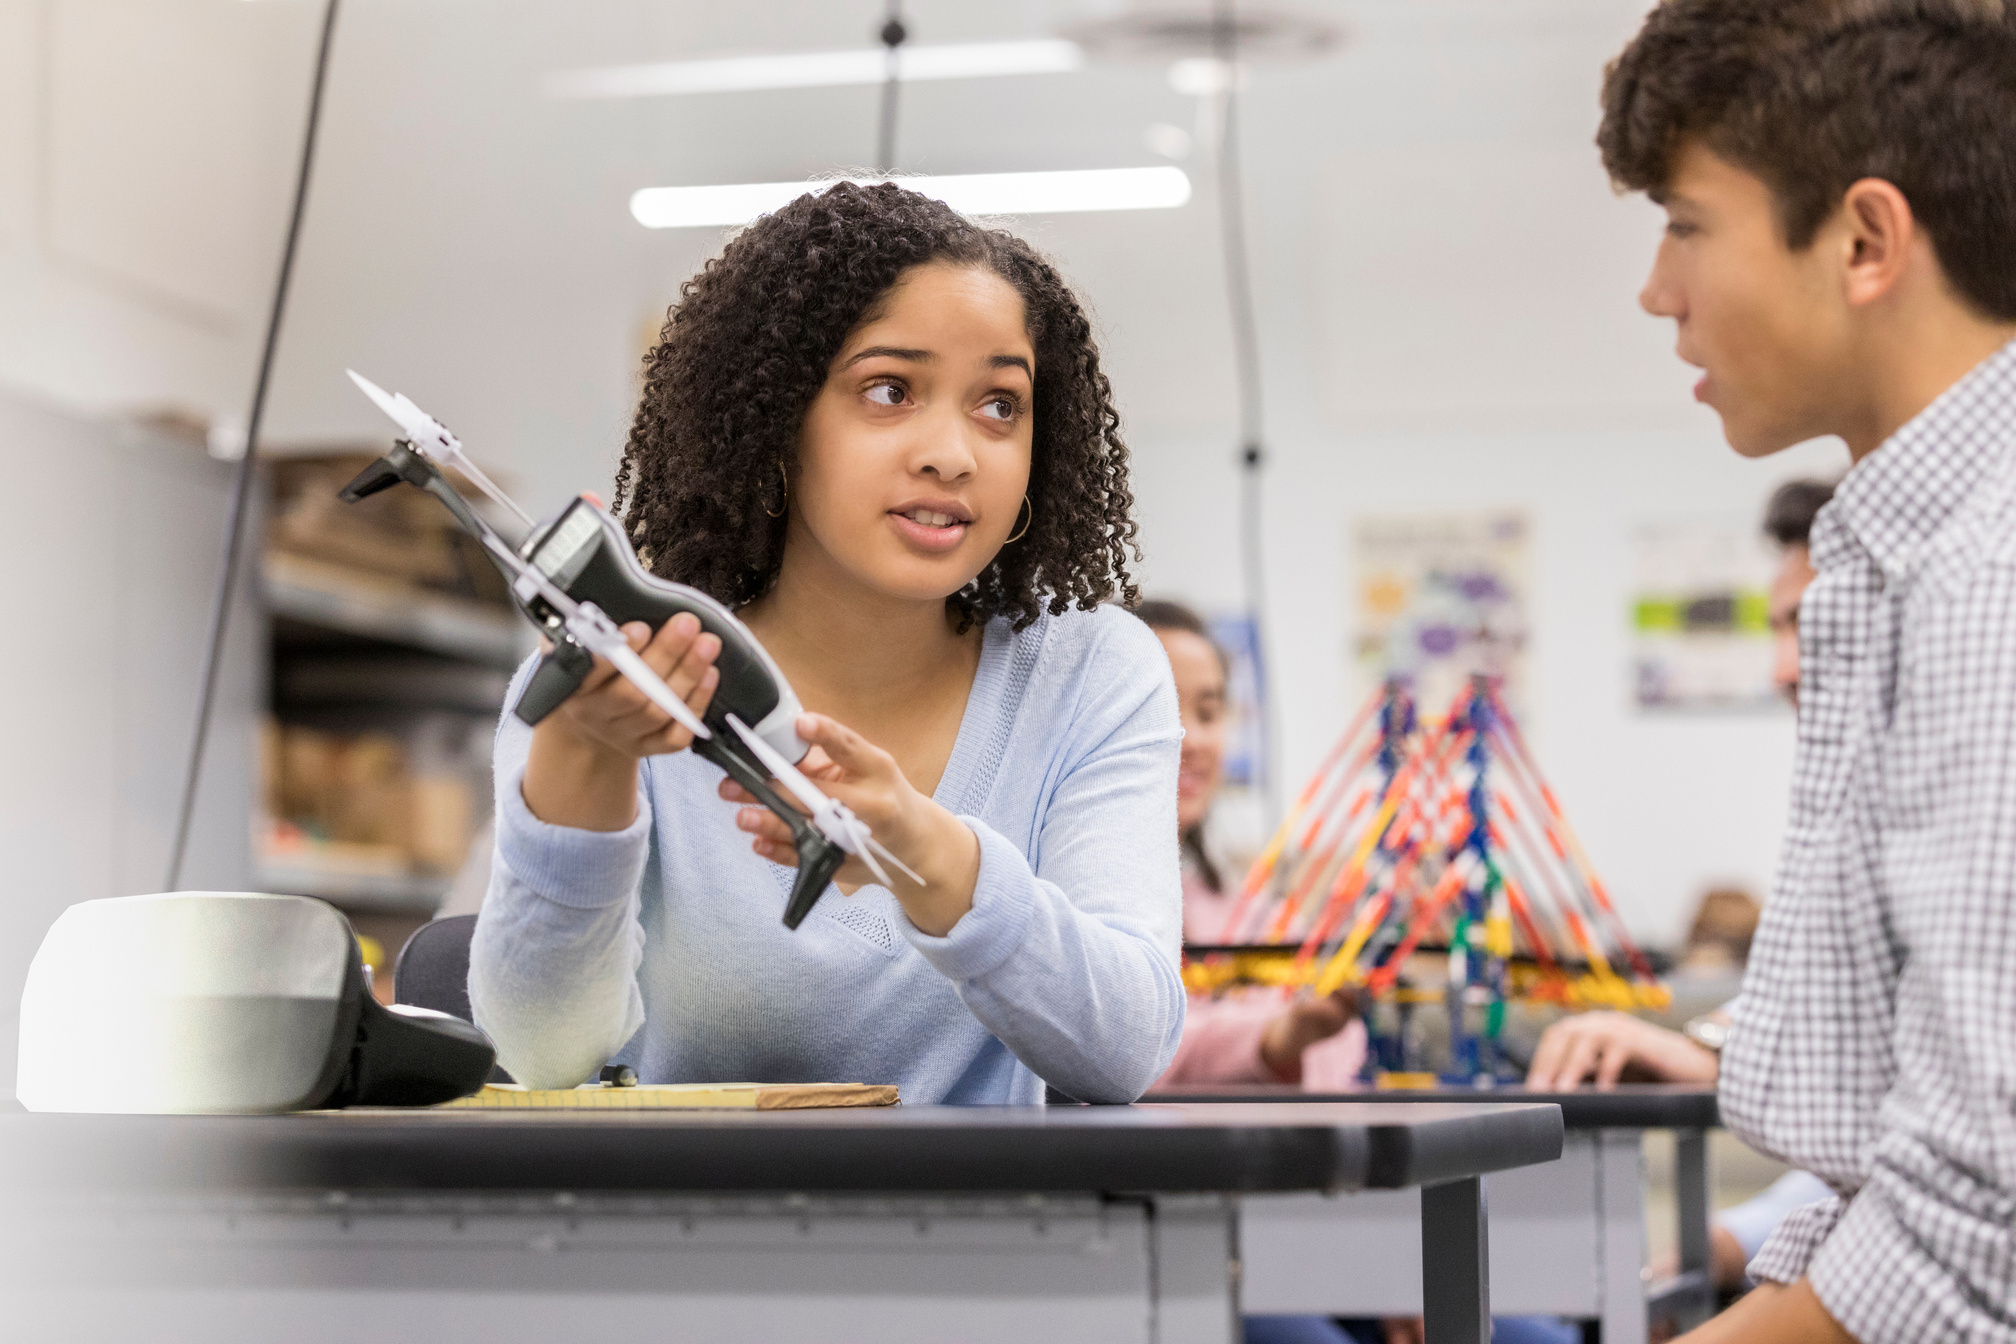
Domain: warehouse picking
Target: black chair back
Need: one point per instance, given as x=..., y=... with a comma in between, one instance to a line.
x=433, y=971
x=433, y=967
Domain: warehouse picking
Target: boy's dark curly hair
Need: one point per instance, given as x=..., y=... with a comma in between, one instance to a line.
x=1814, y=95
x=747, y=347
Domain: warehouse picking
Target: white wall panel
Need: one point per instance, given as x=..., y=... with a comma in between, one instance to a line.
x=19, y=100
x=168, y=147
x=115, y=533
x=1485, y=287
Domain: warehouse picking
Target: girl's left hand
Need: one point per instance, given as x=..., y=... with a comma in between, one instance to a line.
x=847, y=766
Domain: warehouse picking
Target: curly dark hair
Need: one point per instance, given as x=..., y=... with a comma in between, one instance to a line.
x=1813, y=95
x=746, y=349
x=1788, y=517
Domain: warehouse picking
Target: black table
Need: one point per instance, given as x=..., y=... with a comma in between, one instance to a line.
x=1605, y=1128
x=829, y=1224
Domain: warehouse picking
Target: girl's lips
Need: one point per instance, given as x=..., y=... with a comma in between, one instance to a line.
x=1701, y=389
x=936, y=540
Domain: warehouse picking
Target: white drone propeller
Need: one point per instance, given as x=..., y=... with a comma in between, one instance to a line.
x=587, y=623
x=433, y=440
x=830, y=815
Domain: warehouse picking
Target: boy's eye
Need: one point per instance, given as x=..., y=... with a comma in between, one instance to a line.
x=1679, y=229
x=1000, y=408
x=887, y=394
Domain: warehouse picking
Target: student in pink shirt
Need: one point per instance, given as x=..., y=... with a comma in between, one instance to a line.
x=1250, y=1037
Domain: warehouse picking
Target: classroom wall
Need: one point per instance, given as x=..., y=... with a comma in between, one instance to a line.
x=1445, y=285
x=111, y=552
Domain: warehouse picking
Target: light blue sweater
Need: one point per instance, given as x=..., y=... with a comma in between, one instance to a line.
x=662, y=946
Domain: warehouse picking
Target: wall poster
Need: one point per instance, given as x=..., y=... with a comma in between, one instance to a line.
x=1440, y=598
x=1700, y=608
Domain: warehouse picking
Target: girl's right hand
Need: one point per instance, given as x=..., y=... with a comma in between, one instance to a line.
x=582, y=769
x=609, y=712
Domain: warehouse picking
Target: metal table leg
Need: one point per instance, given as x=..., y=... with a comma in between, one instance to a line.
x=1621, y=1203
x=1691, y=1188
x=1455, y=1263
x=1688, y=1298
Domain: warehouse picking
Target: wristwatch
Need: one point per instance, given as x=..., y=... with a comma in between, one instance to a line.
x=1710, y=1031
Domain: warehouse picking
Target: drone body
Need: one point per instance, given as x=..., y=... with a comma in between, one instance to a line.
x=578, y=580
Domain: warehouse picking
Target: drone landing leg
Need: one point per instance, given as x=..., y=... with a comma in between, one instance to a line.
x=818, y=857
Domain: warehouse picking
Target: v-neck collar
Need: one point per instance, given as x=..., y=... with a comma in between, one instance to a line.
x=1006, y=660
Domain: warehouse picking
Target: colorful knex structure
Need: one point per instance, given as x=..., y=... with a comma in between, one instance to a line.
x=1418, y=836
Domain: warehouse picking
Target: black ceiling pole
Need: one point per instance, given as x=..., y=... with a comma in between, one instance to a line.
x=241, y=483
x=1246, y=356
x=893, y=35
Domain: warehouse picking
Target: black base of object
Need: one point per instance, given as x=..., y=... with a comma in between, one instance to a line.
x=382, y=1058
x=559, y=674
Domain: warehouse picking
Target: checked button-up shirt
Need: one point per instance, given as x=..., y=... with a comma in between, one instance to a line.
x=1875, y=1040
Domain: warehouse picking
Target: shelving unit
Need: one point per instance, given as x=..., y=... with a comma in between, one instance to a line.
x=390, y=649
x=357, y=891
x=330, y=597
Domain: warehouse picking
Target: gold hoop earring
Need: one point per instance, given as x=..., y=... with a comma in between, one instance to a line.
x=784, y=503
x=1025, y=527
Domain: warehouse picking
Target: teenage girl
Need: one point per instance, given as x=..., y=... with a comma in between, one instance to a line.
x=882, y=433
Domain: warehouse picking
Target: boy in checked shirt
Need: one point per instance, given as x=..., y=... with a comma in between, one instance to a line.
x=1839, y=180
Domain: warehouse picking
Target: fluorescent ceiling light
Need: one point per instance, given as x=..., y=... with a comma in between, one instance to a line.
x=974, y=194
x=817, y=69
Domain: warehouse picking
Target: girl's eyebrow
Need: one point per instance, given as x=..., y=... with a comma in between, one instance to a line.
x=890, y=352
x=927, y=356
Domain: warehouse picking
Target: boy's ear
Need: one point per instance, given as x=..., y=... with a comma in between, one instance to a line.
x=1882, y=233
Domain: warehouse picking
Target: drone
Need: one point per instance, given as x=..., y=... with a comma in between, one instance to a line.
x=577, y=578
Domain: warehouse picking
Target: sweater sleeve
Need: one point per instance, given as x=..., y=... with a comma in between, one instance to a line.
x=1071, y=961
x=553, y=965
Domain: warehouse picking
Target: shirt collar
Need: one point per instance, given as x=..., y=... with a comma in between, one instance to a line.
x=1894, y=500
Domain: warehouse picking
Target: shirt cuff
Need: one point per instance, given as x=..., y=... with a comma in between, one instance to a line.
x=1787, y=1251
x=582, y=869
x=1004, y=896
x=1877, y=1280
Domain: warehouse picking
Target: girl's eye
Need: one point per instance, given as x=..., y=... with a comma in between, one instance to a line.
x=1001, y=408
x=887, y=394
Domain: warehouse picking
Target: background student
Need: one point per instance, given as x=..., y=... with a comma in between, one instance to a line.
x=1839, y=183
x=1319, y=1043
x=882, y=433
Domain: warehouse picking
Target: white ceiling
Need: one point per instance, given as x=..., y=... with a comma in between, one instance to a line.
x=1424, y=204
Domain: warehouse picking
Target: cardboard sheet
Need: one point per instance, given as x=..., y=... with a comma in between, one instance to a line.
x=680, y=1096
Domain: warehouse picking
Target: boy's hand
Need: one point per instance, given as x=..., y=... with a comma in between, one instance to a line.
x=1602, y=1045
